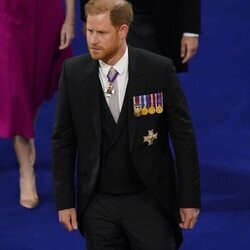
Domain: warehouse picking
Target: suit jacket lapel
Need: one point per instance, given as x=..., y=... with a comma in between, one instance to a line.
x=135, y=70
x=93, y=89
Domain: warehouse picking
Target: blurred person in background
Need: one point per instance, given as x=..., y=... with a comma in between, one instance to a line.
x=170, y=28
x=35, y=39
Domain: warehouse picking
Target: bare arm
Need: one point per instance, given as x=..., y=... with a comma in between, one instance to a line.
x=68, y=27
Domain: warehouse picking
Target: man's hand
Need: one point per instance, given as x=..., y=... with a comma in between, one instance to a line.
x=189, y=46
x=188, y=217
x=68, y=218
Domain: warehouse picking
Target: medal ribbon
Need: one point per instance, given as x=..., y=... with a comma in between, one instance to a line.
x=151, y=100
x=137, y=100
x=147, y=100
x=156, y=99
x=143, y=101
x=113, y=78
x=159, y=99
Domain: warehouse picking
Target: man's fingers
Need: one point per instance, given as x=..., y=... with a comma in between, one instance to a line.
x=74, y=221
x=186, y=223
x=188, y=217
x=187, y=57
x=182, y=215
x=189, y=46
x=183, y=50
x=190, y=54
x=192, y=224
x=67, y=218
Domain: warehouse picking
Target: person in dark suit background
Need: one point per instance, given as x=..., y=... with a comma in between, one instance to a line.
x=170, y=28
x=113, y=131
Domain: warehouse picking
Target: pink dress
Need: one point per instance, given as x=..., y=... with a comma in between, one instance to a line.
x=30, y=61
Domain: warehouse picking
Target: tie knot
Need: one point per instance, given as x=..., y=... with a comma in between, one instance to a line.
x=112, y=74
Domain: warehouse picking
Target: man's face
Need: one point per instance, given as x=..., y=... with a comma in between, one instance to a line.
x=105, y=42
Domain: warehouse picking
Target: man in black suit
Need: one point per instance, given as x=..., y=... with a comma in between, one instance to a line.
x=112, y=133
x=170, y=28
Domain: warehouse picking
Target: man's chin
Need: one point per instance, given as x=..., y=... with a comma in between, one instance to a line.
x=96, y=56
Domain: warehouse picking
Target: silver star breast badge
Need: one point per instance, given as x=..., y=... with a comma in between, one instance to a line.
x=150, y=137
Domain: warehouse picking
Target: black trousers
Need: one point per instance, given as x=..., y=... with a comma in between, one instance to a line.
x=126, y=222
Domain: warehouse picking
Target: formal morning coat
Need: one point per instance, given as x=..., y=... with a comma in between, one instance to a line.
x=77, y=136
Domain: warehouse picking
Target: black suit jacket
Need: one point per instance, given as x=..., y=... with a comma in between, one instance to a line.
x=171, y=18
x=77, y=133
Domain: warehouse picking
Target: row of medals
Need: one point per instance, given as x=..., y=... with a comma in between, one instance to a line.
x=138, y=111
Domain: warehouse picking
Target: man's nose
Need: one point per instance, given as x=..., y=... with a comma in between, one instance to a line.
x=94, y=38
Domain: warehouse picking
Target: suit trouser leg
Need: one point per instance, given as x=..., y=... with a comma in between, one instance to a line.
x=145, y=224
x=101, y=227
x=127, y=222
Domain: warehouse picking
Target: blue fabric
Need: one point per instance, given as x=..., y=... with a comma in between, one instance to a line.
x=218, y=92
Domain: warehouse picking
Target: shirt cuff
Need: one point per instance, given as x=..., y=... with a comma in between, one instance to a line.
x=190, y=34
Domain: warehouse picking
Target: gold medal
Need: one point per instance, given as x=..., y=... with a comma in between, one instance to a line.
x=151, y=110
x=159, y=109
x=144, y=111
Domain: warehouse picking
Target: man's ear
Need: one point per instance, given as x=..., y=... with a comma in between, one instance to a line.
x=123, y=30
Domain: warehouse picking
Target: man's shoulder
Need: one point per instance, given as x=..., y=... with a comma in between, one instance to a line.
x=78, y=60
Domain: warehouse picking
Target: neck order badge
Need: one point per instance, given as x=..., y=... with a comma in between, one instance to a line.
x=112, y=93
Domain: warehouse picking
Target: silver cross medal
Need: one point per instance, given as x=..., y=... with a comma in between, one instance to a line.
x=150, y=137
x=109, y=91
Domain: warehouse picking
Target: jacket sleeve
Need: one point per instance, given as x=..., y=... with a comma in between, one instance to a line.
x=184, y=143
x=190, y=16
x=63, y=149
